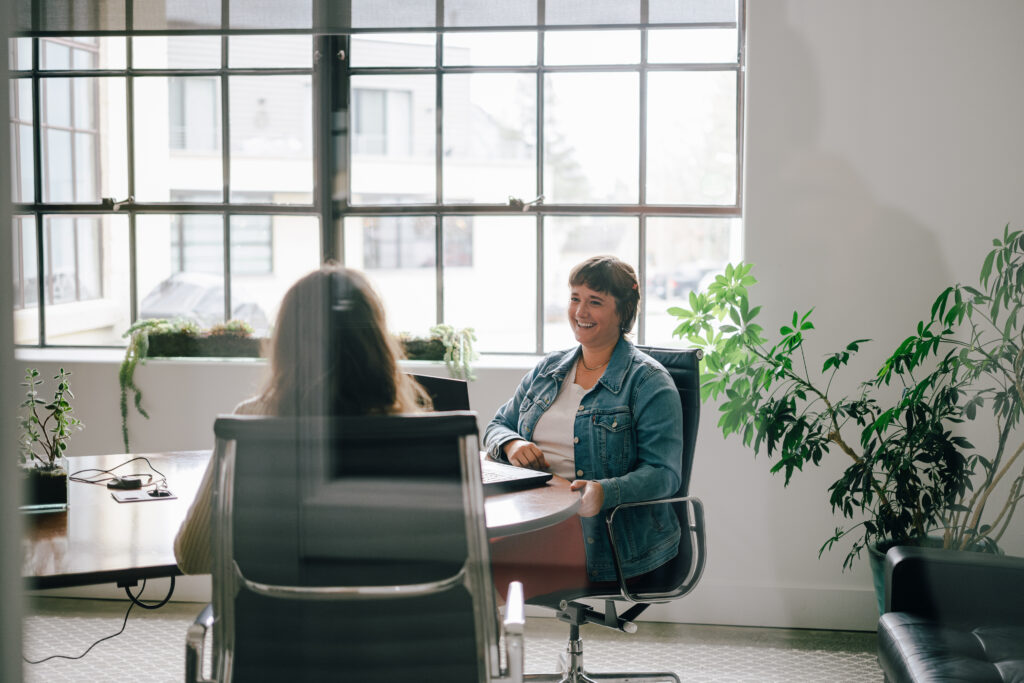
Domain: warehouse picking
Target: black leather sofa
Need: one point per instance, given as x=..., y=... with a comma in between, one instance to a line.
x=952, y=616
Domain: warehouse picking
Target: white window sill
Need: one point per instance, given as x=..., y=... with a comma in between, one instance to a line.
x=29, y=354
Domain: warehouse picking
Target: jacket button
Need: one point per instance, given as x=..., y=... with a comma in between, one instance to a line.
x=575, y=439
x=580, y=408
x=590, y=539
x=579, y=473
x=615, y=424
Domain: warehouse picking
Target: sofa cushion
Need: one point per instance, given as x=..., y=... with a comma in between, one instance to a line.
x=917, y=648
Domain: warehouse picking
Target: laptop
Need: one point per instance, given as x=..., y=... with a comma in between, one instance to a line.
x=453, y=394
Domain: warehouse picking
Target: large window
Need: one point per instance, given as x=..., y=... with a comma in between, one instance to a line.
x=464, y=154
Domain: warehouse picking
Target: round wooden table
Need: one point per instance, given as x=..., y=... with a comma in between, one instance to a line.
x=522, y=511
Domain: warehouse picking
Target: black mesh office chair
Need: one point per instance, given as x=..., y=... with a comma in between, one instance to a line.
x=673, y=580
x=352, y=549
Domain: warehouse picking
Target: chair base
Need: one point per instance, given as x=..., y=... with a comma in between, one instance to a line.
x=572, y=671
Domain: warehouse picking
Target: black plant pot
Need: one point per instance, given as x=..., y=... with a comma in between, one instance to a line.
x=46, y=490
x=423, y=349
x=172, y=345
x=229, y=346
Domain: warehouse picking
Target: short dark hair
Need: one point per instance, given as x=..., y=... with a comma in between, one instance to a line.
x=613, y=276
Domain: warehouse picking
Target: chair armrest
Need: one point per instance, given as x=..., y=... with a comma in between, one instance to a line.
x=515, y=624
x=951, y=585
x=194, y=638
x=694, y=526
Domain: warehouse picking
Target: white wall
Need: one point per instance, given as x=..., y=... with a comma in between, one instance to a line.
x=884, y=151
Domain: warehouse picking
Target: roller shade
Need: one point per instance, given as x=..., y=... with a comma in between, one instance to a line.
x=340, y=16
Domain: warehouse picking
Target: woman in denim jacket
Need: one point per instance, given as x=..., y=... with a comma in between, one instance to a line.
x=606, y=417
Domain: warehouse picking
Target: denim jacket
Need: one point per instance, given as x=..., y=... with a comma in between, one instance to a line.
x=628, y=437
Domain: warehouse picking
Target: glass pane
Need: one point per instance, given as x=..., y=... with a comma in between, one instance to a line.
x=268, y=254
x=490, y=138
x=691, y=152
x=261, y=14
x=395, y=14
x=699, y=45
x=176, y=52
x=85, y=170
x=272, y=138
x=156, y=15
x=20, y=54
x=270, y=51
x=393, y=49
x=56, y=101
x=23, y=187
x=83, y=138
x=397, y=255
x=673, y=11
x=21, y=99
x=57, y=166
x=81, y=53
x=510, y=48
x=683, y=255
x=177, y=137
x=26, y=281
x=180, y=267
x=567, y=241
x=592, y=11
x=86, y=279
x=479, y=252
x=476, y=13
x=591, y=143
x=592, y=47
x=393, y=139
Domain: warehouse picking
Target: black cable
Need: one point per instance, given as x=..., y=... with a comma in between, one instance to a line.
x=149, y=605
x=159, y=483
x=134, y=600
x=112, y=635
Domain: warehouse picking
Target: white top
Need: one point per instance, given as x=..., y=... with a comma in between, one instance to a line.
x=554, y=433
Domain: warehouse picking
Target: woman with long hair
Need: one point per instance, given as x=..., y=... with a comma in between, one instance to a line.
x=331, y=354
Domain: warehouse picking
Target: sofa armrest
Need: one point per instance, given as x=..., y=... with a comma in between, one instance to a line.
x=950, y=585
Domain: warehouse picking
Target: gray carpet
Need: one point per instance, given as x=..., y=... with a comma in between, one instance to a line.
x=152, y=647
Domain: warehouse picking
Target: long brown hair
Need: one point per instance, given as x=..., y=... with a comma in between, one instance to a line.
x=332, y=354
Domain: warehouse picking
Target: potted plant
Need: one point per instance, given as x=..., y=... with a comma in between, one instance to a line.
x=181, y=338
x=911, y=476
x=233, y=339
x=45, y=430
x=444, y=342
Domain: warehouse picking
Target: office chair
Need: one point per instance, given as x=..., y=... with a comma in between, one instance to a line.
x=352, y=549
x=673, y=580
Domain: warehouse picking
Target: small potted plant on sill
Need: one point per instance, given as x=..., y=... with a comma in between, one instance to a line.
x=911, y=478
x=45, y=430
x=444, y=342
x=233, y=339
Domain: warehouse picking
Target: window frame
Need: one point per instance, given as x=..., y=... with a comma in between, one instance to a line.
x=331, y=76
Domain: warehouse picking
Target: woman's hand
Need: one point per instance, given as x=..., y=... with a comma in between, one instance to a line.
x=525, y=454
x=592, y=498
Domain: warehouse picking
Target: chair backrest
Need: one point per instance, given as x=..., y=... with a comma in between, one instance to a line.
x=313, y=516
x=680, y=575
x=684, y=367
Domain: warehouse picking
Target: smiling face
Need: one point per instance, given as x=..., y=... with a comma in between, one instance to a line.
x=593, y=318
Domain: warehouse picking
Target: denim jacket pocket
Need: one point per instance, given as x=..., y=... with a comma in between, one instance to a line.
x=613, y=432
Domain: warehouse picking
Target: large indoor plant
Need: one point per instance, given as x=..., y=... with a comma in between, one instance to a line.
x=911, y=474
x=46, y=427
